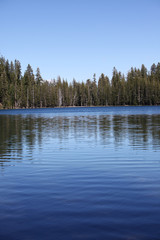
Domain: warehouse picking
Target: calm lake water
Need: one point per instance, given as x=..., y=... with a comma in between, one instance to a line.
x=80, y=173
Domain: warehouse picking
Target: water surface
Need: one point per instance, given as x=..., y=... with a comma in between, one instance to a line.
x=80, y=173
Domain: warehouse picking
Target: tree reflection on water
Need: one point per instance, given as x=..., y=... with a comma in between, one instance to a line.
x=18, y=132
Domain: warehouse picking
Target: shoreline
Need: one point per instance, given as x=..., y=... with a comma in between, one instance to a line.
x=1, y=109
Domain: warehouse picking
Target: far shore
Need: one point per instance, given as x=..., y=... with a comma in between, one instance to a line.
x=79, y=107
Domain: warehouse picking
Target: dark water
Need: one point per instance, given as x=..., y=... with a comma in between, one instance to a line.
x=80, y=173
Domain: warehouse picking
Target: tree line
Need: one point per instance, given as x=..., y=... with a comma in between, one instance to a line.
x=29, y=90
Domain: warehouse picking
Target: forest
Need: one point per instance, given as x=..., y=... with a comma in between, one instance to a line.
x=30, y=90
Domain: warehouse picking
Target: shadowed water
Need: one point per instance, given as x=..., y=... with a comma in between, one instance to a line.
x=80, y=173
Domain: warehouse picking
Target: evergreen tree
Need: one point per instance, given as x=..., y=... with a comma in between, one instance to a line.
x=29, y=85
x=103, y=90
x=38, y=88
x=116, y=87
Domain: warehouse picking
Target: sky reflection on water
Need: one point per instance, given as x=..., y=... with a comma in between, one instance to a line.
x=80, y=175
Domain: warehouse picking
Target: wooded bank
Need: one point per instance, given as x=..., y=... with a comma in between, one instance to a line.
x=139, y=87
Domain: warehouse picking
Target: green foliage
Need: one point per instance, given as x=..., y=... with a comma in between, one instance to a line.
x=139, y=87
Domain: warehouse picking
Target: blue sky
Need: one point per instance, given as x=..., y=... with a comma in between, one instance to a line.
x=77, y=38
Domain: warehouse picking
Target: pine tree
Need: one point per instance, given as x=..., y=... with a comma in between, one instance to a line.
x=29, y=86
x=38, y=88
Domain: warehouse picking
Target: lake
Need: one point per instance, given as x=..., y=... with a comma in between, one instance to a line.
x=80, y=173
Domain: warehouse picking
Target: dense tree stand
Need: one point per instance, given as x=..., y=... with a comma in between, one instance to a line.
x=139, y=87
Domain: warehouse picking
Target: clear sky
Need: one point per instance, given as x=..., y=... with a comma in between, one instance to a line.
x=77, y=38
